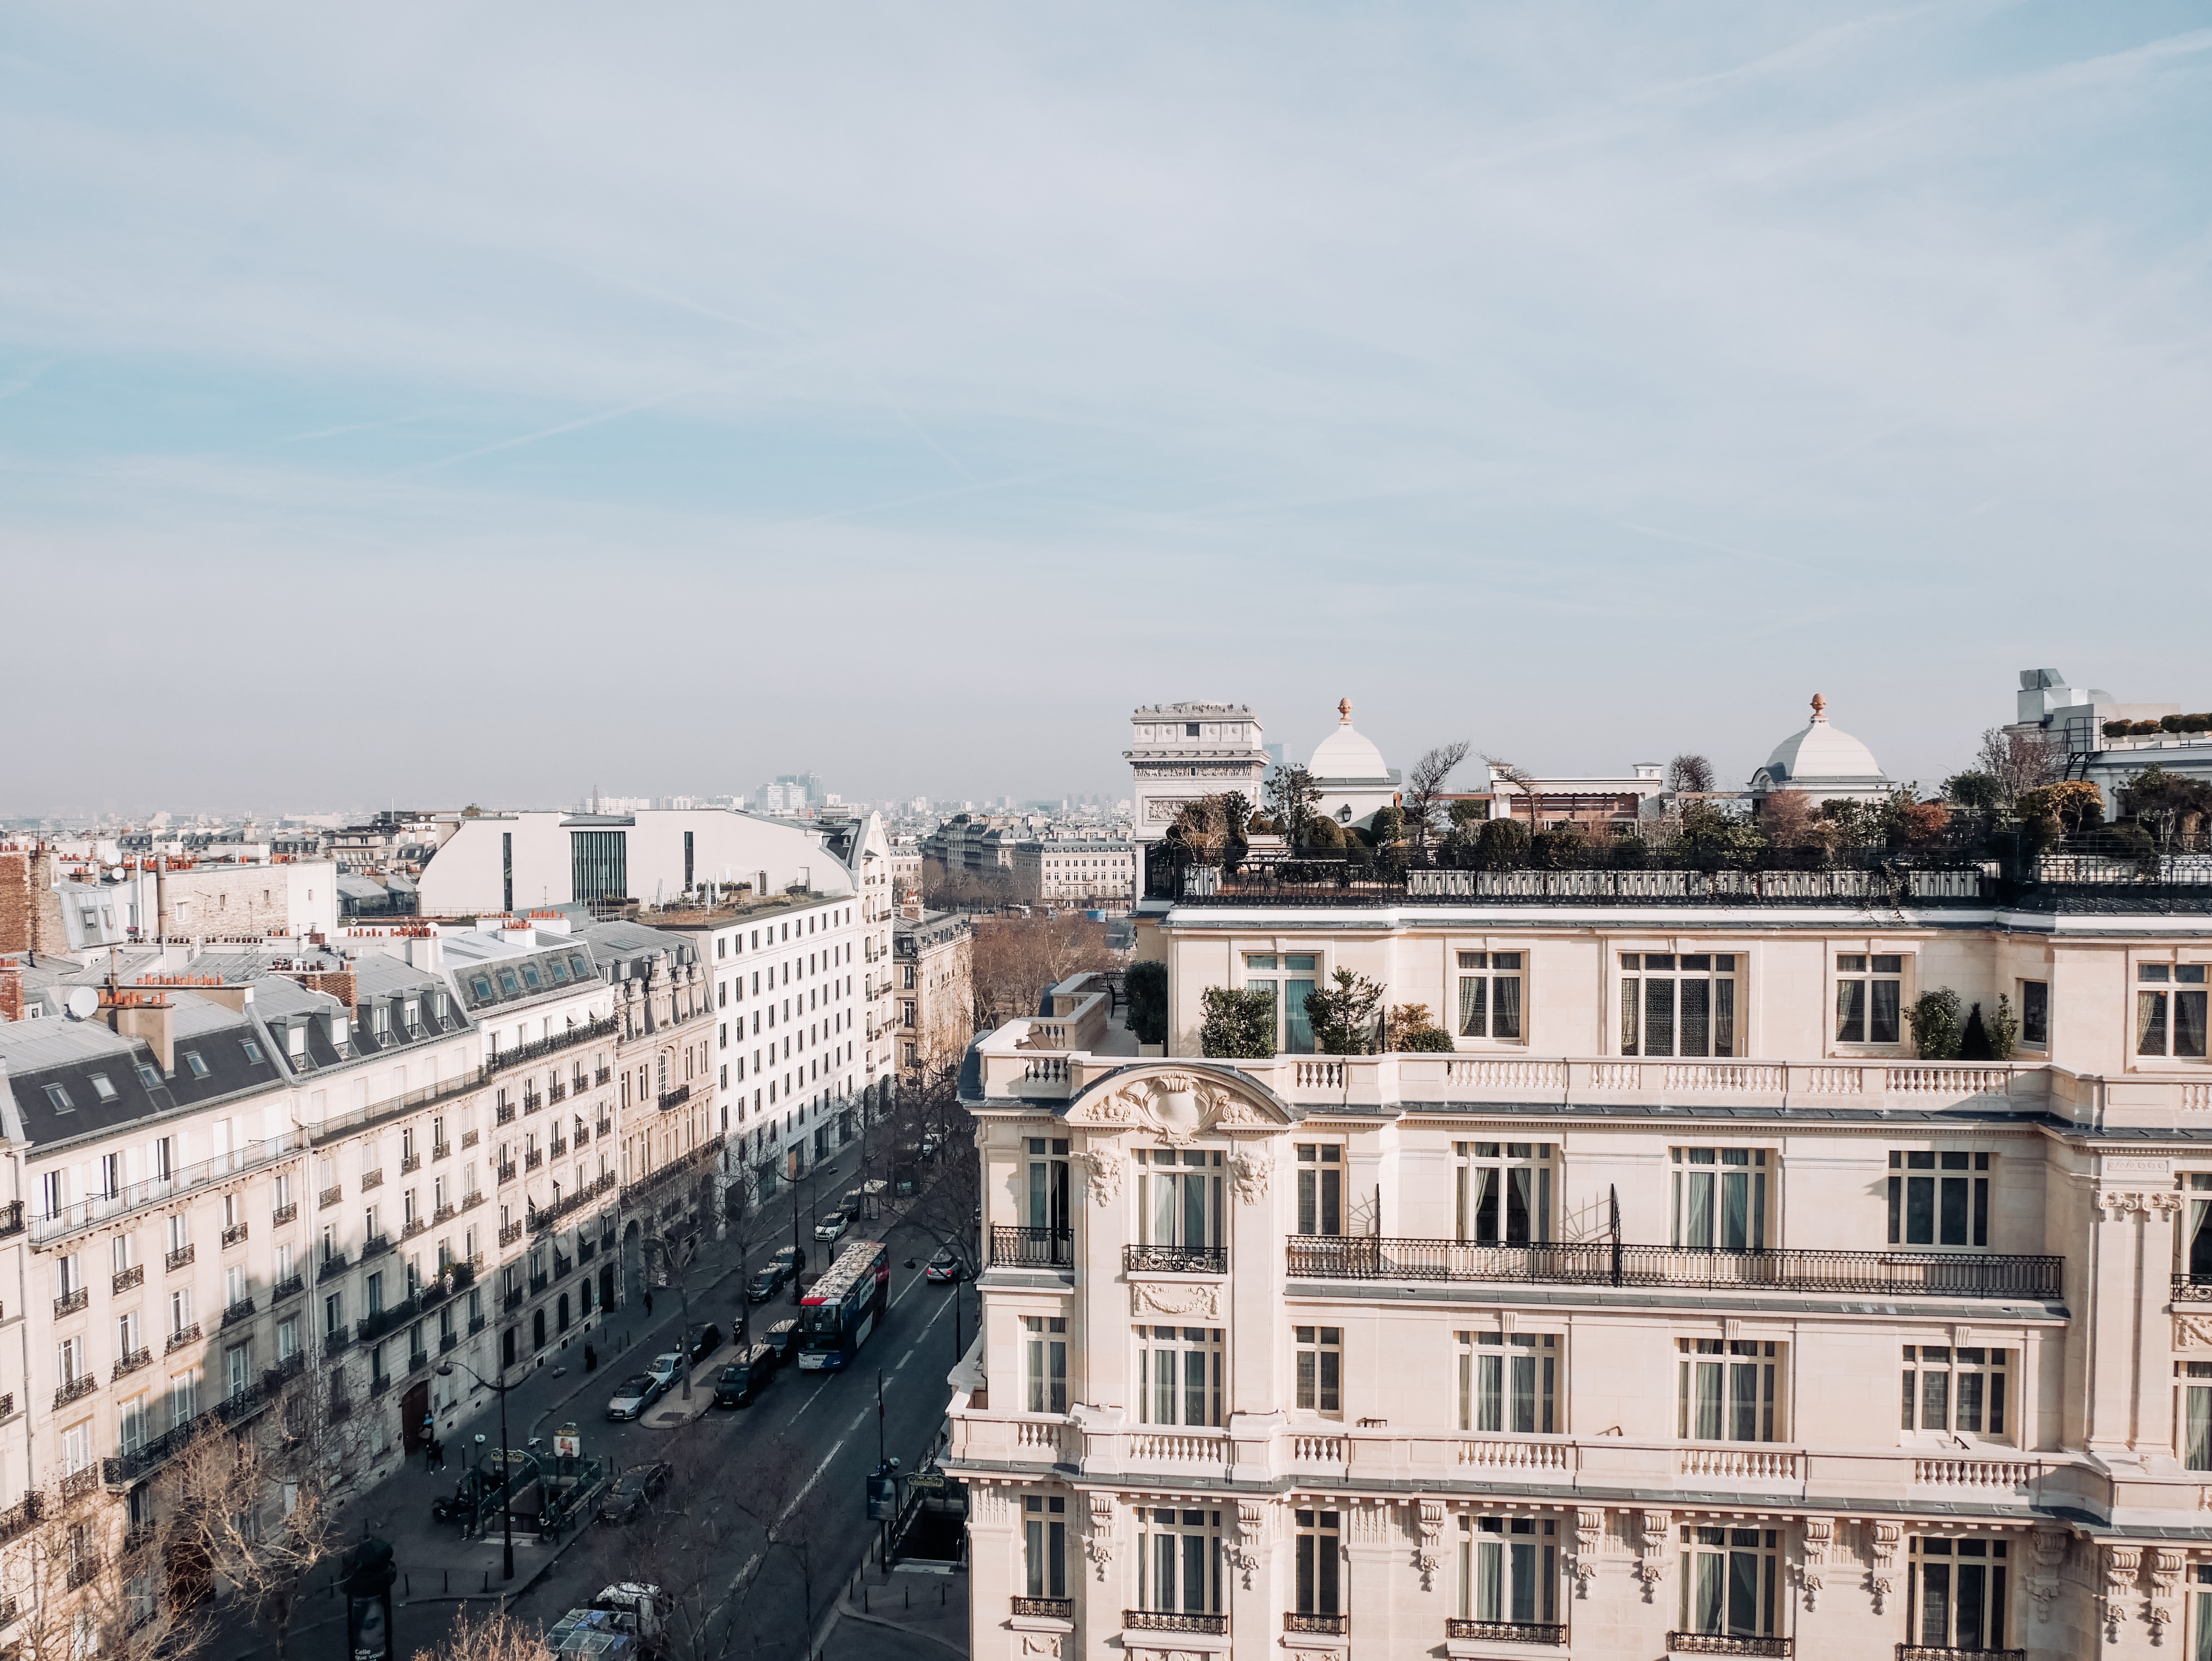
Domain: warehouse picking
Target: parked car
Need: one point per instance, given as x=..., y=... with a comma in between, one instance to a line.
x=790, y=1259
x=705, y=1340
x=666, y=1367
x=944, y=1268
x=745, y=1377
x=633, y=1395
x=783, y=1339
x=833, y=1226
x=766, y=1282
x=634, y=1490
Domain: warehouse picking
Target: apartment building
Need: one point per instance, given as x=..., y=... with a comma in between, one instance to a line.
x=1077, y=871
x=933, y=958
x=1669, y=1302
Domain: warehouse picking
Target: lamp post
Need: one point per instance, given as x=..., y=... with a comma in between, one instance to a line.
x=506, y=1470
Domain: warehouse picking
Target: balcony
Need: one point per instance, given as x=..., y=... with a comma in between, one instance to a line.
x=443, y=1213
x=468, y=1138
x=532, y=1101
x=409, y=1164
x=333, y=1266
x=291, y=1287
x=130, y=1361
x=605, y=1076
x=509, y=1233
x=375, y=1246
x=675, y=1097
x=534, y=1158
x=413, y=1226
x=372, y=1179
x=337, y=1343
x=512, y=1302
x=181, y=1257
x=557, y=1147
x=125, y=1278
x=1044, y=1609
x=1716, y=1643
x=20, y=1518
x=557, y=1091
x=282, y=1214
x=377, y=1321
x=188, y=1333
x=605, y=1127
x=1937, y=1652
x=1174, y=1260
x=1504, y=1631
x=1031, y=1248
x=240, y=1311
x=1165, y=1620
x=234, y=1235
x=1601, y=1263
x=11, y=1218
x=329, y=1197
x=156, y=1190
x=82, y=1385
x=70, y=1302
x=505, y=1171
x=539, y=1283
x=505, y=1113
x=1319, y=1625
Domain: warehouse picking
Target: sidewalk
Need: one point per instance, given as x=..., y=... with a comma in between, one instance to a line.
x=901, y=1609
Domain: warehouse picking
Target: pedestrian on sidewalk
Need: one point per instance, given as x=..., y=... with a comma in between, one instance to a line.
x=429, y=1441
x=648, y=1301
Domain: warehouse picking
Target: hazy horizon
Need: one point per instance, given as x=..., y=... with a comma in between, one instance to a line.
x=416, y=408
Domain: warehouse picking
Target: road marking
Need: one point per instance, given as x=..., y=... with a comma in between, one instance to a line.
x=753, y=1561
x=916, y=1345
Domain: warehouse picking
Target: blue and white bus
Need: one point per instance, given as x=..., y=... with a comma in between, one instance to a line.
x=844, y=1306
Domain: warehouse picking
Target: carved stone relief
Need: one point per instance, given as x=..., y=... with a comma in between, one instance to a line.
x=1201, y=1299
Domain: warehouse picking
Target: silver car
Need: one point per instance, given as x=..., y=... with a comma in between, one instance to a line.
x=634, y=1394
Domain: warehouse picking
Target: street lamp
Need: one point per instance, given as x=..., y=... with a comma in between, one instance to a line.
x=506, y=1469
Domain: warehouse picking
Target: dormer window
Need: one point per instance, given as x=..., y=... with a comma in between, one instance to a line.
x=150, y=1076
x=530, y=977
x=560, y=970
x=102, y=1088
x=410, y=1015
x=58, y=1098
x=199, y=1068
x=481, y=986
x=252, y=1052
x=509, y=985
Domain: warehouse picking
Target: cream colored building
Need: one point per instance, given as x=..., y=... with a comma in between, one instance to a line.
x=932, y=991
x=1078, y=870
x=1677, y=1309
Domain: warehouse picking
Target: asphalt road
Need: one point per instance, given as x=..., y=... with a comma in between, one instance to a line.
x=815, y=1434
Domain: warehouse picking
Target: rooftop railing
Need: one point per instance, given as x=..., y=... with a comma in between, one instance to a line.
x=1858, y=1274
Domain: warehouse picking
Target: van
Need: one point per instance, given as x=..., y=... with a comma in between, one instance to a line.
x=745, y=1377
x=783, y=1339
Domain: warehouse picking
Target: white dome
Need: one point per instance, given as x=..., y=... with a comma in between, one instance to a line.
x=1820, y=755
x=1345, y=754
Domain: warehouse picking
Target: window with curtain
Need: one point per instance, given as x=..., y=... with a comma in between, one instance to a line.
x=1730, y=1391
x=1869, y=995
x=1289, y=978
x=1048, y=1184
x=1490, y=995
x=1320, y=1563
x=1682, y=1005
x=1504, y=1192
x=2195, y=1407
x=1509, y=1382
x=2196, y=1242
x=1044, y=1344
x=1729, y=1581
x=1179, y=1561
x=1320, y=1355
x=1321, y=1188
x=1179, y=1375
x=1719, y=1199
x=1508, y=1570
x=1044, y=1544
x=1949, y=1205
x=1179, y=1195
x=2035, y=1014
x=2170, y=1010
x=1954, y=1389
x=1954, y=1593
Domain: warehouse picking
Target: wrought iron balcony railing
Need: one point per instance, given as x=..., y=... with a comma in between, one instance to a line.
x=1046, y=1609
x=1504, y=1631
x=1721, y=1643
x=1870, y=1274
x=1173, y=1620
x=1031, y=1248
x=125, y=1278
x=1938, y=1652
x=70, y=1302
x=1175, y=1259
x=282, y=1214
x=234, y=1235
x=1325, y=1626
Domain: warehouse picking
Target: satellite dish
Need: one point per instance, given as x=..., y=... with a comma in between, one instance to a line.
x=83, y=1004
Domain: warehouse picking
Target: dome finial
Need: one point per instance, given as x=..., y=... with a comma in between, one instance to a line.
x=1344, y=711
x=1820, y=708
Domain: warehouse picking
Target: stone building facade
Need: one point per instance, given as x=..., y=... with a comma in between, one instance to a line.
x=1679, y=1308
x=932, y=991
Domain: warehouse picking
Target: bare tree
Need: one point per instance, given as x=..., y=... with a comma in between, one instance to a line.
x=87, y=1580
x=1425, y=789
x=672, y=1246
x=945, y=1208
x=497, y=1636
x=1017, y=958
x=1789, y=819
x=2020, y=761
x=1519, y=778
x=1689, y=774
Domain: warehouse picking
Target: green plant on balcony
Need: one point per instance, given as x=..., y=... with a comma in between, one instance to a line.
x=1344, y=1016
x=1236, y=1024
x=1939, y=1025
x=1411, y=1028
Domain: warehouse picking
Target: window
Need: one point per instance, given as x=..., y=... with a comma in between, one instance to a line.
x=1179, y=1200
x=1179, y=1375
x=1509, y=1382
x=1490, y=995
x=1508, y=1570
x=2035, y=1014
x=1939, y=1210
x=1321, y=1561
x=58, y=1099
x=1320, y=1370
x=1727, y=1581
x=1293, y=1026
x=1674, y=1005
x=180, y=1311
x=1719, y=1199
x=199, y=1068
x=1954, y=1593
x=103, y=1088
x=69, y=1359
x=252, y=1052
x=1728, y=1391
x=1954, y=1389
x=2196, y=1404
x=1044, y=1544
x=1869, y=992
x=1048, y=1184
x=2170, y=1010
x=1045, y=1362
x=1321, y=1188
x=1179, y=1561
x=1504, y=1192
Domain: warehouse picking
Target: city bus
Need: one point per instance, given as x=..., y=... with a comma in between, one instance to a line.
x=843, y=1307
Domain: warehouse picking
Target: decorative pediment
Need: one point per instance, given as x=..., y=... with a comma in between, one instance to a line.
x=1176, y=1104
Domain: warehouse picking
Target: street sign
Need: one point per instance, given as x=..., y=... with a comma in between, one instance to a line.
x=883, y=1499
x=927, y=1480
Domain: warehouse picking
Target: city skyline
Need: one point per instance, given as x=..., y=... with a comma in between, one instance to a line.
x=1729, y=355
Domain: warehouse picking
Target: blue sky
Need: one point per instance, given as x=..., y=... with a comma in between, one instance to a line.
x=432, y=404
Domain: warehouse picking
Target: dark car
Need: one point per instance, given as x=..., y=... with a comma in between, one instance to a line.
x=706, y=1340
x=634, y=1490
x=766, y=1282
x=783, y=1339
x=745, y=1377
x=789, y=1258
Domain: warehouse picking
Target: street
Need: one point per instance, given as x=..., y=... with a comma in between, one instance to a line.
x=796, y=1459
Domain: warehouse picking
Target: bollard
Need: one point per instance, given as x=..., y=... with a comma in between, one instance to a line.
x=449, y=1579
x=407, y=1585
x=910, y=1597
x=487, y=1586
x=940, y=1594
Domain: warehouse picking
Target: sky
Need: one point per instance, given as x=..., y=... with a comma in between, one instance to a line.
x=418, y=405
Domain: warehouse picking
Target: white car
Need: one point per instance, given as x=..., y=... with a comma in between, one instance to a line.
x=833, y=1226
x=666, y=1368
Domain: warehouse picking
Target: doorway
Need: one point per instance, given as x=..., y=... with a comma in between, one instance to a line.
x=414, y=1408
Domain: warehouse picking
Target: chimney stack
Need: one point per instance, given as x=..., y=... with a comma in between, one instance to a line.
x=146, y=1015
